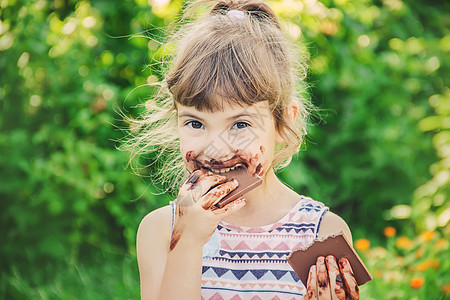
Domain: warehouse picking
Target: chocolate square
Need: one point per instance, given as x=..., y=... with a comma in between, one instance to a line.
x=246, y=184
x=302, y=259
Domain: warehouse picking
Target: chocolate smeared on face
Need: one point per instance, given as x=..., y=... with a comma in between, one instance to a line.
x=247, y=159
x=212, y=163
x=252, y=163
x=191, y=160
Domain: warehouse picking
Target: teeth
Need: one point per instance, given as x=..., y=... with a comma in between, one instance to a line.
x=220, y=171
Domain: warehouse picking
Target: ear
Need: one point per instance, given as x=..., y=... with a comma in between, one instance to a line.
x=292, y=112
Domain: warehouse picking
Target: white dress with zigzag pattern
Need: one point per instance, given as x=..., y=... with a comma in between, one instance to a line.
x=250, y=262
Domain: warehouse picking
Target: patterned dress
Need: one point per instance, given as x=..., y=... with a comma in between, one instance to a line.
x=250, y=262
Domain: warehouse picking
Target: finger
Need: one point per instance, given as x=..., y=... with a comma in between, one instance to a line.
x=196, y=177
x=336, y=284
x=186, y=196
x=323, y=286
x=199, y=183
x=205, y=183
x=230, y=208
x=311, y=290
x=217, y=193
x=349, y=279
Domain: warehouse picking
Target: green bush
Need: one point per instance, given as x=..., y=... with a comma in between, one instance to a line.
x=373, y=69
x=64, y=185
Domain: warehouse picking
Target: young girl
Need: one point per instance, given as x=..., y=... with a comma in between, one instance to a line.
x=233, y=103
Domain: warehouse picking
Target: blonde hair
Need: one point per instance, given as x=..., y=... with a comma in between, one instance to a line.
x=244, y=60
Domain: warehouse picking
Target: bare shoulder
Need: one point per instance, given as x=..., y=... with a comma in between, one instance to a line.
x=160, y=215
x=331, y=223
x=155, y=225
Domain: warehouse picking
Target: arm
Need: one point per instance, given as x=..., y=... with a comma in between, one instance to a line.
x=170, y=265
x=163, y=274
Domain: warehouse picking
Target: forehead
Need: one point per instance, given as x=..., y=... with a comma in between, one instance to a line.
x=228, y=110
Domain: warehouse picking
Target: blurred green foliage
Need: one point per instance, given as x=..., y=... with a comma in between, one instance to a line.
x=374, y=66
x=378, y=152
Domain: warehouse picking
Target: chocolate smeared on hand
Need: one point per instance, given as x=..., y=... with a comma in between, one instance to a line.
x=246, y=184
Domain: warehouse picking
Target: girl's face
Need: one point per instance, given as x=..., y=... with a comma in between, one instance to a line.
x=236, y=136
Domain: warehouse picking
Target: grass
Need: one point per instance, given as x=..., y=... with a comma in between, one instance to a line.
x=107, y=276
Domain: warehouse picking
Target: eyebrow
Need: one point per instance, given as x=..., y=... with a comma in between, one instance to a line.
x=245, y=114
x=190, y=116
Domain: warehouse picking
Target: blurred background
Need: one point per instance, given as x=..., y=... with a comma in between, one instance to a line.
x=377, y=153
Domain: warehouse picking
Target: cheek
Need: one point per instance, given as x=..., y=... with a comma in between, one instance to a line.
x=190, y=160
x=256, y=157
x=189, y=153
x=188, y=144
x=266, y=152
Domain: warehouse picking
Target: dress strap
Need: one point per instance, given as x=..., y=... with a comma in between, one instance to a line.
x=173, y=204
x=321, y=214
x=211, y=248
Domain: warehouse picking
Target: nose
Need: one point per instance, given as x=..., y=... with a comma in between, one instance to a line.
x=218, y=147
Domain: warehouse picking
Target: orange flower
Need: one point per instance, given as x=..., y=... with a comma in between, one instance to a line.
x=417, y=282
x=427, y=235
x=389, y=231
x=440, y=244
x=429, y=263
x=446, y=288
x=436, y=263
x=424, y=265
x=403, y=242
x=362, y=244
x=419, y=253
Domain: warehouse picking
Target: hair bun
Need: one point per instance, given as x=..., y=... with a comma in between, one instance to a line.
x=255, y=8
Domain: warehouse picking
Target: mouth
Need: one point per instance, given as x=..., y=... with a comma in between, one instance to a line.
x=223, y=170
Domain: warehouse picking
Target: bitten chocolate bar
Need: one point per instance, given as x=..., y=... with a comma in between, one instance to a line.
x=246, y=184
x=302, y=259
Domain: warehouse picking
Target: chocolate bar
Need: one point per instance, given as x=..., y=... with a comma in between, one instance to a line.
x=302, y=259
x=246, y=184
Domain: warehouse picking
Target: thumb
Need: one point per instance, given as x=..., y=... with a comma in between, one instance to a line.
x=230, y=208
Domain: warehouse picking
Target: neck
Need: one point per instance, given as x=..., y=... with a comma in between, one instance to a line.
x=266, y=193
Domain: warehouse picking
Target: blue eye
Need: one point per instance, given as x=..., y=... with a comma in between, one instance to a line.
x=243, y=125
x=195, y=124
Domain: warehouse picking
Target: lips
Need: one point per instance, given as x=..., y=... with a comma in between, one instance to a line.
x=222, y=170
x=241, y=159
x=220, y=167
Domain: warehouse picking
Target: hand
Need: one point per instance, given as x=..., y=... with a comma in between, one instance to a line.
x=196, y=215
x=328, y=281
